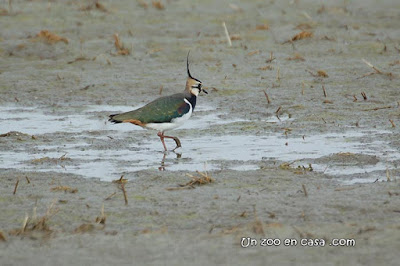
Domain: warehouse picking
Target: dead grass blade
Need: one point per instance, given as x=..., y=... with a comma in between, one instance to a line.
x=376, y=71
x=121, y=180
x=300, y=36
x=320, y=73
x=124, y=191
x=158, y=5
x=2, y=237
x=199, y=180
x=31, y=224
x=65, y=189
x=378, y=108
x=228, y=38
x=102, y=218
x=95, y=5
x=304, y=190
x=266, y=96
x=112, y=195
x=50, y=37
x=296, y=57
x=16, y=186
x=262, y=27
x=121, y=50
x=84, y=228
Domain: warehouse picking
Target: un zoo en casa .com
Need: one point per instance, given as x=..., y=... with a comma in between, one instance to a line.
x=290, y=242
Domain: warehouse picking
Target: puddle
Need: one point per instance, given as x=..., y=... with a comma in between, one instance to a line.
x=34, y=121
x=238, y=152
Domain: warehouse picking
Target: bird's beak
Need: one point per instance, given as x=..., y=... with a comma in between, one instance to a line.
x=204, y=91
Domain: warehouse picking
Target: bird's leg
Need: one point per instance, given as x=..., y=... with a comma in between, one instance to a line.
x=161, y=135
x=162, y=166
x=177, y=141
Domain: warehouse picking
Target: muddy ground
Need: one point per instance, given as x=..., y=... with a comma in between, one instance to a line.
x=319, y=161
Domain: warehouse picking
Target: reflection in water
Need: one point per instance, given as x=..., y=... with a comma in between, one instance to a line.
x=238, y=152
x=162, y=166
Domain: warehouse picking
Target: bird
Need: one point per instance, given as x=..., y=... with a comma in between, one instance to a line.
x=165, y=113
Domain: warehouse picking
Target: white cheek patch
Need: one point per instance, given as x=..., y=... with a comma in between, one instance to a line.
x=195, y=91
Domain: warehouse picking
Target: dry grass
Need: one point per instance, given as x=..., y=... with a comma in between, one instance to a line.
x=121, y=180
x=300, y=36
x=84, y=228
x=158, y=5
x=296, y=57
x=31, y=224
x=95, y=5
x=376, y=71
x=121, y=184
x=262, y=27
x=102, y=218
x=199, y=180
x=64, y=188
x=2, y=237
x=121, y=49
x=50, y=37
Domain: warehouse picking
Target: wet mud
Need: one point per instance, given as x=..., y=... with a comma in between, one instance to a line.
x=299, y=132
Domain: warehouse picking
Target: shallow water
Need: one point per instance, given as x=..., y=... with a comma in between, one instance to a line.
x=238, y=152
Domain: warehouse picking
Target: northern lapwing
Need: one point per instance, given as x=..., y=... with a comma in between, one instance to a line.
x=167, y=112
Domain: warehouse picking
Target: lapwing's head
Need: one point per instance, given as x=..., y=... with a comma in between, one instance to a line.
x=193, y=85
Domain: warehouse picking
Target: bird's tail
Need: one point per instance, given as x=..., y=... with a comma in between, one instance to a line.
x=114, y=120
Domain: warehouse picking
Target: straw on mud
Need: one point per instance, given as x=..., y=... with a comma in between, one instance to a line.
x=345, y=188
x=2, y=237
x=27, y=179
x=25, y=222
x=378, y=108
x=16, y=186
x=271, y=57
x=376, y=71
x=364, y=96
x=121, y=180
x=278, y=78
x=124, y=191
x=102, y=218
x=121, y=50
x=355, y=98
x=371, y=66
x=201, y=179
x=50, y=37
x=112, y=195
x=227, y=34
x=387, y=175
x=65, y=189
x=266, y=96
x=158, y=5
x=254, y=52
x=391, y=121
x=323, y=88
x=304, y=190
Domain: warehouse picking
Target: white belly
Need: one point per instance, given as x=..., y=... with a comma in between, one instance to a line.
x=176, y=122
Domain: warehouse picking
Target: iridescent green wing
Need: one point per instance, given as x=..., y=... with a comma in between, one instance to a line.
x=158, y=111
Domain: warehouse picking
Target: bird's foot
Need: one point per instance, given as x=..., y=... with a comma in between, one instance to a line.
x=178, y=143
